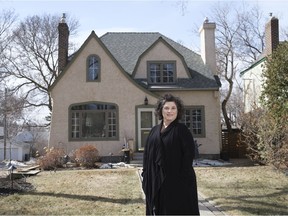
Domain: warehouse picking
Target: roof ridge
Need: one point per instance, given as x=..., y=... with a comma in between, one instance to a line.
x=133, y=33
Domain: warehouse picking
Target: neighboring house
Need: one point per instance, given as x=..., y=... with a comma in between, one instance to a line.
x=106, y=92
x=252, y=76
x=17, y=148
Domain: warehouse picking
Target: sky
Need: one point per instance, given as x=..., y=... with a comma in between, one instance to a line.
x=163, y=16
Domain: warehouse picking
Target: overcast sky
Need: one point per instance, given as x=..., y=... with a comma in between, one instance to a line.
x=166, y=17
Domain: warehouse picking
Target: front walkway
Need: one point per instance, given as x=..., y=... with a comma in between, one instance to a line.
x=208, y=208
x=205, y=206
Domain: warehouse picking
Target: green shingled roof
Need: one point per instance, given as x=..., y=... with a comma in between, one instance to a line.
x=127, y=47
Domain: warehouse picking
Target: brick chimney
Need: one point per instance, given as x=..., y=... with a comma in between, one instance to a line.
x=208, y=50
x=271, y=35
x=63, y=38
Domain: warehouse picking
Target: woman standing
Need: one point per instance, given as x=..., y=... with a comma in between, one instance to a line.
x=169, y=180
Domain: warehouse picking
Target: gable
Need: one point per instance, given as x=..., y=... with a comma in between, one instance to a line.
x=159, y=51
x=78, y=64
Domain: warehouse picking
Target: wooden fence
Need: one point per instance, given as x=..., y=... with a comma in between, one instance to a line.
x=233, y=145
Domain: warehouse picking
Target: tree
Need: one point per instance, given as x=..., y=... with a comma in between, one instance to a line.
x=265, y=129
x=31, y=61
x=238, y=41
x=7, y=19
x=275, y=86
x=274, y=98
x=11, y=108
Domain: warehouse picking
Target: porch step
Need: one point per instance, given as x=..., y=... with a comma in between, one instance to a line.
x=138, y=156
x=137, y=159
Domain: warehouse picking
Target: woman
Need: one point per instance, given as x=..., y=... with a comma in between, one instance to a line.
x=169, y=180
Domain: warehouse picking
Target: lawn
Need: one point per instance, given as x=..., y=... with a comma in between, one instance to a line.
x=78, y=192
x=245, y=190
x=238, y=190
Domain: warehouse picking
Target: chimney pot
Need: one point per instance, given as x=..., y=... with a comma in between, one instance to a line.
x=63, y=19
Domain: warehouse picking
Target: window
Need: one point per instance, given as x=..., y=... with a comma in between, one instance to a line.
x=161, y=72
x=93, y=121
x=194, y=119
x=93, y=68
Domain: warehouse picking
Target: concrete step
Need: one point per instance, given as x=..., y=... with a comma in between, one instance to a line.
x=138, y=156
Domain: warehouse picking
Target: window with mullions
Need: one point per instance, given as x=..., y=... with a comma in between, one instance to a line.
x=194, y=119
x=93, y=68
x=161, y=72
x=93, y=121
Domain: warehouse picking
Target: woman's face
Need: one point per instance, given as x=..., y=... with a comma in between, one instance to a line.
x=169, y=111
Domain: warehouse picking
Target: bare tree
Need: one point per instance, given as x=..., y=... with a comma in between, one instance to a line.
x=31, y=62
x=11, y=108
x=226, y=36
x=250, y=36
x=239, y=42
x=7, y=19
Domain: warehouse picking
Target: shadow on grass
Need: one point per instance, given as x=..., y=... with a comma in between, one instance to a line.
x=87, y=197
x=251, y=205
x=242, y=162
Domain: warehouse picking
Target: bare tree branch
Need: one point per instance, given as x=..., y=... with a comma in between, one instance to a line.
x=32, y=58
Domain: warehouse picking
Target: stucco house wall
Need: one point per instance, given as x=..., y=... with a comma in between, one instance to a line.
x=211, y=143
x=114, y=88
x=123, y=82
x=160, y=52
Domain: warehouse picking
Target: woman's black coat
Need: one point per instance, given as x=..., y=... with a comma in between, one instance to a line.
x=169, y=180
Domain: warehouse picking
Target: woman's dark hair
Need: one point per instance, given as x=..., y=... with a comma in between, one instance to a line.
x=169, y=98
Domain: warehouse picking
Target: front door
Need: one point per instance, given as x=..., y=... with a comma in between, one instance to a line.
x=145, y=121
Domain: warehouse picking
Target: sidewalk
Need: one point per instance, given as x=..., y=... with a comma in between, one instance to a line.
x=208, y=208
x=205, y=206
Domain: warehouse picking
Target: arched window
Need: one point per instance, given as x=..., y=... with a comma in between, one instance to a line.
x=93, y=68
x=93, y=121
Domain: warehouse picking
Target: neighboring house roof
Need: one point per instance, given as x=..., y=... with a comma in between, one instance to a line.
x=127, y=47
x=261, y=59
x=24, y=136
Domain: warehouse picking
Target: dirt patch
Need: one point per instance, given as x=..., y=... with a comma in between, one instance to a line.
x=9, y=187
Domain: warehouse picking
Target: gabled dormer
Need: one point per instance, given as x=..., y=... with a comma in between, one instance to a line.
x=156, y=62
x=161, y=64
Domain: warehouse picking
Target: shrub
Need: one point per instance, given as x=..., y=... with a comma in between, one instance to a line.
x=266, y=139
x=86, y=156
x=52, y=159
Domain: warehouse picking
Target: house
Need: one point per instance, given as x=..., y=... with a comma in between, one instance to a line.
x=17, y=148
x=252, y=76
x=105, y=93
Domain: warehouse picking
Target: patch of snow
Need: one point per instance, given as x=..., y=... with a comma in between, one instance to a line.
x=207, y=162
x=115, y=165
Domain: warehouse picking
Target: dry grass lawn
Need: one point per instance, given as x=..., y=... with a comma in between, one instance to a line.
x=238, y=190
x=245, y=190
x=78, y=192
